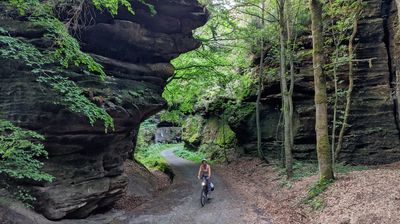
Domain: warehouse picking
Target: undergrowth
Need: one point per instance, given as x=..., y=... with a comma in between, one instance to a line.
x=151, y=157
x=312, y=199
x=195, y=156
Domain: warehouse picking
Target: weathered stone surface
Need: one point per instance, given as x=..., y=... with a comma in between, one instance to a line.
x=168, y=134
x=87, y=162
x=373, y=136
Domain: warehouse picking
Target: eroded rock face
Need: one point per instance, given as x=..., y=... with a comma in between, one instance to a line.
x=135, y=50
x=373, y=135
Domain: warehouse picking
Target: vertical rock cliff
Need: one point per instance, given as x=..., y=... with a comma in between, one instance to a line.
x=135, y=51
x=373, y=135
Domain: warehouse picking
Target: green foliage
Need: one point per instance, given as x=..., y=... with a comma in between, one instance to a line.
x=25, y=197
x=343, y=168
x=174, y=116
x=218, y=71
x=212, y=152
x=112, y=5
x=24, y=5
x=225, y=136
x=73, y=98
x=217, y=132
x=195, y=156
x=13, y=48
x=235, y=113
x=151, y=156
x=67, y=49
x=312, y=198
x=19, y=153
x=192, y=129
x=316, y=204
x=146, y=133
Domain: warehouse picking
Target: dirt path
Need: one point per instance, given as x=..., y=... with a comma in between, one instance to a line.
x=182, y=203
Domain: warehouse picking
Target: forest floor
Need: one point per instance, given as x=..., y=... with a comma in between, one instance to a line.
x=358, y=197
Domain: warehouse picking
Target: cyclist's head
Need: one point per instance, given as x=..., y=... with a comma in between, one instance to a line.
x=203, y=161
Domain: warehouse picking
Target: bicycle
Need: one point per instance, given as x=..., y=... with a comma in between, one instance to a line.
x=204, y=191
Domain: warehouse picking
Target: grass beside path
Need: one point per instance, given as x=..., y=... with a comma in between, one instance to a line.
x=194, y=156
x=151, y=156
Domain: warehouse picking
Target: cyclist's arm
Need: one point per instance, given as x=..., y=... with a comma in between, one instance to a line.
x=209, y=171
x=198, y=174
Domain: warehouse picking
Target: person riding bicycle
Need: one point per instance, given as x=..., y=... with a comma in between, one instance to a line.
x=205, y=172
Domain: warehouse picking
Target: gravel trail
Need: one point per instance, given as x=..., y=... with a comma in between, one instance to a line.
x=182, y=203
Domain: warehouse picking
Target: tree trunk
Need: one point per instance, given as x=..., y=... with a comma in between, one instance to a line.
x=260, y=85
x=335, y=105
x=223, y=139
x=349, y=91
x=284, y=90
x=321, y=124
x=291, y=41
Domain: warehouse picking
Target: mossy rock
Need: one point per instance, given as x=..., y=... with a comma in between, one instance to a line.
x=236, y=115
x=218, y=132
x=210, y=130
x=225, y=136
x=192, y=130
x=212, y=152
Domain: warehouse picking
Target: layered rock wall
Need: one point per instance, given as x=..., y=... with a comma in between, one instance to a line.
x=373, y=135
x=135, y=51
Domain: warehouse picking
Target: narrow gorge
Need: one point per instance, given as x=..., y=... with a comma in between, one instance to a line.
x=136, y=49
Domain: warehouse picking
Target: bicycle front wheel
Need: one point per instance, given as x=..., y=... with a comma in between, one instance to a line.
x=203, y=198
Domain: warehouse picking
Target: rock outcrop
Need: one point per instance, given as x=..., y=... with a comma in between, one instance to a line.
x=373, y=135
x=135, y=51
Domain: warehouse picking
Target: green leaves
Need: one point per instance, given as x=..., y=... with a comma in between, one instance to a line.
x=219, y=69
x=73, y=98
x=112, y=5
x=66, y=52
x=19, y=151
x=13, y=48
x=67, y=49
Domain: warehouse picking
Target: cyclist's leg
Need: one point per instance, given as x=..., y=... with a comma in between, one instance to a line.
x=208, y=184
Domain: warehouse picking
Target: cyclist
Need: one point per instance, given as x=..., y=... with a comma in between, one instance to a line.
x=205, y=172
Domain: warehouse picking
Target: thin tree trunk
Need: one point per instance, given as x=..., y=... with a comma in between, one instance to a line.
x=349, y=91
x=260, y=85
x=223, y=139
x=335, y=105
x=284, y=90
x=321, y=124
x=291, y=41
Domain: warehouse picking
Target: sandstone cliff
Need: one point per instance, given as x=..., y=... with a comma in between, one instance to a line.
x=135, y=50
x=373, y=135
